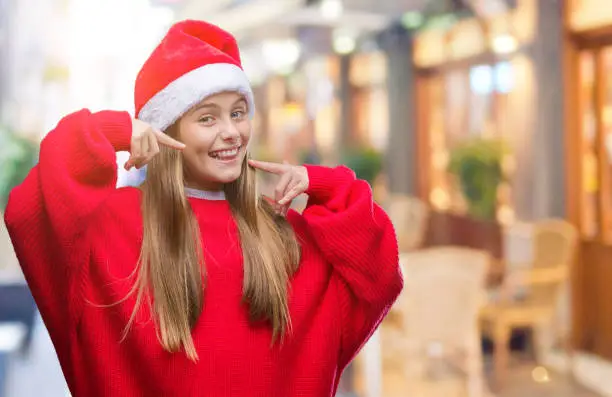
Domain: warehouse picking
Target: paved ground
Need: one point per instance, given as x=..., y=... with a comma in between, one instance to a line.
x=522, y=382
x=39, y=375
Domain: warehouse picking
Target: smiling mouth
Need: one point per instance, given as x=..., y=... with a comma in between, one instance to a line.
x=226, y=154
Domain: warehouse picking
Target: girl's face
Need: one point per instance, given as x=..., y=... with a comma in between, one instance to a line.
x=215, y=133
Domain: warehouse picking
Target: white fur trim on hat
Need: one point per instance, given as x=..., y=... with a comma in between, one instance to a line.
x=169, y=104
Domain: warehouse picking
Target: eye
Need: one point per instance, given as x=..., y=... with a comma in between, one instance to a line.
x=238, y=114
x=206, y=119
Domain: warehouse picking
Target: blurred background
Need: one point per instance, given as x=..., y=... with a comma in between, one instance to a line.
x=483, y=126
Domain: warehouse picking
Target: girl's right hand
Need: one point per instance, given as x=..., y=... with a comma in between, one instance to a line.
x=145, y=144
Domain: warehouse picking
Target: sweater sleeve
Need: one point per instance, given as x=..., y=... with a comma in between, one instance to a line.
x=47, y=213
x=356, y=237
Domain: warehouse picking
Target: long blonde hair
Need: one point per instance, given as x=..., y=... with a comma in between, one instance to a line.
x=171, y=271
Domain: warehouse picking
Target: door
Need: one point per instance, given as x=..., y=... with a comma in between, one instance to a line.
x=593, y=150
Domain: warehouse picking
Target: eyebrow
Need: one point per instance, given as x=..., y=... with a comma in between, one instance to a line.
x=205, y=106
x=215, y=106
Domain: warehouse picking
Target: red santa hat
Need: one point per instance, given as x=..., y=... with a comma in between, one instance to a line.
x=193, y=61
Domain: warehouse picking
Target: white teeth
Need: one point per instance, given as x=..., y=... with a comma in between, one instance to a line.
x=226, y=153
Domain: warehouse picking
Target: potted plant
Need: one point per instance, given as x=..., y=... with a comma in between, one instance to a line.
x=477, y=165
x=367, y=163
x=17, y=156
x=310, y=156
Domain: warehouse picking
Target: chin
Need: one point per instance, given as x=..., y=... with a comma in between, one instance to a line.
x=227, y=176
x=218, y=172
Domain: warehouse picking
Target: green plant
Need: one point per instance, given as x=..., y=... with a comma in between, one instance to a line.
x=477, y=164
x=367, y=163
x=309, y=156
x=17, y=156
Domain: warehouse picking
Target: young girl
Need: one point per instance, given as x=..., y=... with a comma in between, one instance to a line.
x=191, y=285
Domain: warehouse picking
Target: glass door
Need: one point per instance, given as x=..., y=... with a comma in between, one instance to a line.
x=595, y=104
x=589, y=158
x=605, y=151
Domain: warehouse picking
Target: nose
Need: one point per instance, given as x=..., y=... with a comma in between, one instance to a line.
x=229, y=131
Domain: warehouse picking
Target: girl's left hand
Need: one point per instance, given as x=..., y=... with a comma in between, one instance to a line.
x=293, y=182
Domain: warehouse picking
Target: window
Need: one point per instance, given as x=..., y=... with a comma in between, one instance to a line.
x=462, y=104
x=367, y=76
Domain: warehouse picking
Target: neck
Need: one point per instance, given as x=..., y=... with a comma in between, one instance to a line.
x=205, y=194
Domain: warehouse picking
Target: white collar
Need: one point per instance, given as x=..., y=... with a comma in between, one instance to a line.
x=205, y=194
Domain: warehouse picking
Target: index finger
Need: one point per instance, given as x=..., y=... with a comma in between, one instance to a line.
x=168, y=141
x=273, y=168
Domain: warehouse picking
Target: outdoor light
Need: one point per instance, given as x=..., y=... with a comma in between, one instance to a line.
x=540, y=375
x=504, y=44
x=412, y=20
x=481, y=79
x=331, y=9
x=281, y=55
x=255, y=69
x=344, y=44
x=344, y=41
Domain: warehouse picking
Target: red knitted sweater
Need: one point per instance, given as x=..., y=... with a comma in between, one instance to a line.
x=77, y=238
